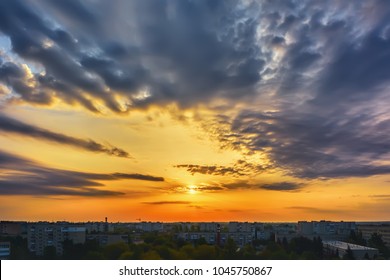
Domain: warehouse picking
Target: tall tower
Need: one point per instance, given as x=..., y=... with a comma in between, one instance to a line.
x=106, y=225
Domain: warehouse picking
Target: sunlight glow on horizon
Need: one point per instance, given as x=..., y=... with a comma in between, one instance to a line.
x=192, y=189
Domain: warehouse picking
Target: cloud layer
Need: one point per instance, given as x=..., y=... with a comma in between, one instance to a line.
x=282, y=186
x=308, y=145
x=312, y=77
x=165, y=202
x=20, y=176
x=14, y=126
x=134, y=54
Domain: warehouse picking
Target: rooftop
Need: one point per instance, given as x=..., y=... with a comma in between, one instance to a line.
x=345, y=245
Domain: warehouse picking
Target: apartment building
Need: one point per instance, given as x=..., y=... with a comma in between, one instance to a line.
x=5, y=250
x=327, y=230
x=42, y=235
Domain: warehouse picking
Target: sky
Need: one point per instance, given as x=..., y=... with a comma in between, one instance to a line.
x=201, y=110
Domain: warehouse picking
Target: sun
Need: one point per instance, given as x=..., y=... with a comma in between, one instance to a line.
x=191, y=189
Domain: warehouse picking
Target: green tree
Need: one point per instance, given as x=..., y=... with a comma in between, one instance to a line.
x=230, y=250
x=114, y=251
x=94, y=255
x=376, y=241
x=205, y=252
x=188, y=250
x=356, y=237
x=150, y=255
x=128, y=255
x=248, y=252
x=164, y=251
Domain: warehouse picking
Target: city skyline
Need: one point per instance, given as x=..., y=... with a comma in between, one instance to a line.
x=272, y=111
x=145, y=240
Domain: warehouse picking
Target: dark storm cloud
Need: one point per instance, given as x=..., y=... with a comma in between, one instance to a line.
x=20, y=176
x=10, y=125
x=358, y=72
x=193, y=51
x=34, y=38
x=278, y=40
x=9, y=70
x=75, y=9
x=328, y=78
x=282, y=186
x=16, y=78
x=207, y=48
x=329, y=117
x=314, y=146
x=185, y=52
x=321, y=68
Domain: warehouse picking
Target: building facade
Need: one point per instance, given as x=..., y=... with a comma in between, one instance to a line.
x=42, y=235
x=5, y=250
x=327, y=230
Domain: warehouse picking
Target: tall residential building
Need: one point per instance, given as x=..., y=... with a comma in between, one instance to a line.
x=42, y=235
x=327, y=230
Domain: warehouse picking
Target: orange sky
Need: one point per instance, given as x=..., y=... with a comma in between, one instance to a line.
x=156, y=146
x=186, y=111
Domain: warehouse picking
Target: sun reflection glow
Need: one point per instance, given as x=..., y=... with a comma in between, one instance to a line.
x=192, y=189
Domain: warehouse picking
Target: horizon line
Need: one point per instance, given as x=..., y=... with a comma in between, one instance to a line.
x=168, y=222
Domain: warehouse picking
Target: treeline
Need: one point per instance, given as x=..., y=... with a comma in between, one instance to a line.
x=374, y=241
x=156, y=246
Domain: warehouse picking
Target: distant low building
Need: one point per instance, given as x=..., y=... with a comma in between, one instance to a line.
x=5, y=250
x=341, y=248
